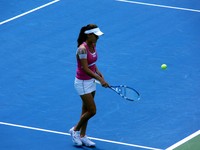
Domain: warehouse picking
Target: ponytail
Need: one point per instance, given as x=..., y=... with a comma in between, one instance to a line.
x=82, y=36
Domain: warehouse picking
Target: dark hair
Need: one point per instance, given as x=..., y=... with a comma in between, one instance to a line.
x=82, y=36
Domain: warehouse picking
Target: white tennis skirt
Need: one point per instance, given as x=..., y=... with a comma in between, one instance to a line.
x=84, y=86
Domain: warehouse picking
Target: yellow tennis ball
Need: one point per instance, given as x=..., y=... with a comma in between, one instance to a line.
x=163, y=66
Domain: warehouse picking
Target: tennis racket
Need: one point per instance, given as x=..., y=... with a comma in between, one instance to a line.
x=125, y=92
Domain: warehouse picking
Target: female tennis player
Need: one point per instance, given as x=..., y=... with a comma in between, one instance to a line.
x=86, y=74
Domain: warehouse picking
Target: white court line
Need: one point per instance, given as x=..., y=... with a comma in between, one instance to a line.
x=156, y=5
x=63, y=133
x=28, y=12
x=184, y=140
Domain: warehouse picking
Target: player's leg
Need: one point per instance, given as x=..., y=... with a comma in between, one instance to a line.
x=89, y=104
x=84, y=110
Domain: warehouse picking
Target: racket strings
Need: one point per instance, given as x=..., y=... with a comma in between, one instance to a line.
x=127, y=93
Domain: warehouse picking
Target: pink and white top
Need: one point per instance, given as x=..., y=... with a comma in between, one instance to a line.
x=91, y=59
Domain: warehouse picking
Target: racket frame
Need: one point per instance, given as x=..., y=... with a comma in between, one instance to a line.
x=114, y=88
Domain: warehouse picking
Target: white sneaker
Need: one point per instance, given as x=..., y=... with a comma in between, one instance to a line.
x=75, y=137
x=87, y=142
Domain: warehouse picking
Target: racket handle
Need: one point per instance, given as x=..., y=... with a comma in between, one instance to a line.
x=96, y=81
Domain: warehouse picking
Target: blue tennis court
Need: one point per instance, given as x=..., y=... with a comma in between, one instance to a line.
x=38, y=102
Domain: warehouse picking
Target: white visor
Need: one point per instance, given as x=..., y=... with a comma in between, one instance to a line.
x=96, y=31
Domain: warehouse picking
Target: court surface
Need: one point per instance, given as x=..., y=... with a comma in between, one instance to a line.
x=38, y=102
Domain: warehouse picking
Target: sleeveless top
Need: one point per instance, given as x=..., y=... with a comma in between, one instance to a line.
x=91, y=59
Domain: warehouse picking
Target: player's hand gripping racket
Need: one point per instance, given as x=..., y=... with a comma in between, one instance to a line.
x=125, y=92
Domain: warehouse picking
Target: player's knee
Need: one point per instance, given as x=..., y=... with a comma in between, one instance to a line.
x=92, y=112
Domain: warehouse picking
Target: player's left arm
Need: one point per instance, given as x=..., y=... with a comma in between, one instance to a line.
x=99, y=73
